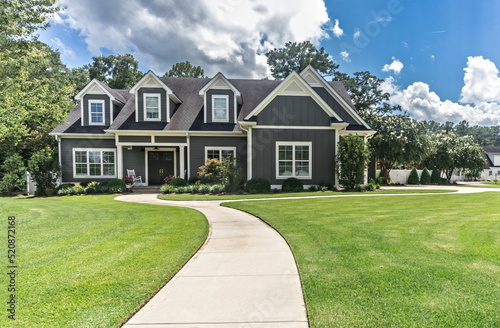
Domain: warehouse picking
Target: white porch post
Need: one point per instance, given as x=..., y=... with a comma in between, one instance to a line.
x=337, y=139
x=249, y=153
x=366, y=170
x=181, y=162
x=119, y=155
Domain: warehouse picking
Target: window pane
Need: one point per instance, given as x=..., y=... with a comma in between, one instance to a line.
x=227, y=153
x=211, y=153
x=152, y=113
x=96, y=113
x=285, y=153
x=301, y=169
x=152, y=107
x=95, y=169
x=302, y=153
x=81, y=157
x=81, y=169
x=220, y=114
x=152, y=102
x=108, y=157
x=109, y=169
x=285, y=169
x=95, y=157
x=220, y=103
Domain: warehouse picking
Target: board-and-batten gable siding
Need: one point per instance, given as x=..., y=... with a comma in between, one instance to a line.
x=142, y=139
x=134, y=159
x=147, y=139
x=173, y=107
x=323, y=153
x=197, y=150
x=67, y=146
x=220, y=92
x=86, y=109
x=337, y=108
x=170, y=139
x=140, y=102
x=293, y=111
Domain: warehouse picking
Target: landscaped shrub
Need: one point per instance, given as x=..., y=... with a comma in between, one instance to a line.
x=231, y=175
x=216, y=189
x=85, y=183
x=44, y=169
x=193, y=180
x=313, y=188
x=425, y=178
x=117, y=185
x=326, y=186
x=65, y=186
x=210, y=172
x=92, y=188
x=258, y=186
x=77, y=190
x=292, y=184
x=351, y=161
x=413, y=178
x=181, y=189
x=375, y=182
x=167, y=189
x=203, y=188
x=13, y=174
x=168, y=179
x=178, y=182
x=435, y=176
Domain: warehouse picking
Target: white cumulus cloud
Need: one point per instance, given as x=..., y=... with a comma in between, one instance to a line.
x=345, y=56
x=337, y=31
x=356, y=34
x=396, y=66
x=423, y=103
x=65, y=51
x=231, y=36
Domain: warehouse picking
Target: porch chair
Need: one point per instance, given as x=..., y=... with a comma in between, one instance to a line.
x=137, y=179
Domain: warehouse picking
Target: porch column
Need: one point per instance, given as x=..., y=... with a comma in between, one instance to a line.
x=181, y=161
x=249, y=153
x=337, y=139
x=119, y=159
x=366, y=170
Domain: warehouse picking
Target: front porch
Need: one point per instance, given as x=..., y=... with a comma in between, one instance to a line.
x=152, y=157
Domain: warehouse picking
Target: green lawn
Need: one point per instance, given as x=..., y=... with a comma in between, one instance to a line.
x=292, y=194
x=483, y=185
x=90, y=261
x=412, y=261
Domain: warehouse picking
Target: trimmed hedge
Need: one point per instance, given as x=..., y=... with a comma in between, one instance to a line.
x=117, y=185
x=258, y=186
x=436, y=177
x=178, y=182
x=425, y=178
x=292, y=184
x=413, y=178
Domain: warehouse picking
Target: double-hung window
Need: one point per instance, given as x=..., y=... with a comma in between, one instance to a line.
x=293, y=160
x=152, y=107
x=96, y=112
x=94, y=163
x=220, y=108
x=219, y=153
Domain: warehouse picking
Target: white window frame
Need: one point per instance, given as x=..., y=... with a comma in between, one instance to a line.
x=158, y=95
x=220, y=149
x=213, y=108
x=294, y=144
x=88, y=163
x=96, y=101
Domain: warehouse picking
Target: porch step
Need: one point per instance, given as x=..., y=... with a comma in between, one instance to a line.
x=146, y=190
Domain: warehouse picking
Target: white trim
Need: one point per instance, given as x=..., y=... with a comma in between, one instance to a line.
x=148, y=149
x=136, y=99
x=80, y=94
x=145, y=118
x=170, y=93
x=292, y=127
x=335, y=95
x=120, y=161
x=188, y=155
x=143, y=144
x=294, y=77
x=220, y=149
x=359, y=133
x=294, y=144
x=59, y=151
x=178, y=133
x=181, y=162
x=235, y=109
x=83, y=135
x=213, y=80
x=337, y=139
x=213, y=108
x=249, y=153
x=113, y=150
x=89, y=112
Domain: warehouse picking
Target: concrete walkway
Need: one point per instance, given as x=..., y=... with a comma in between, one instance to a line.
x=243, y=276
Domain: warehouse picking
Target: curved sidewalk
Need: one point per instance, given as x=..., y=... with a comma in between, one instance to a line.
x=243, y=276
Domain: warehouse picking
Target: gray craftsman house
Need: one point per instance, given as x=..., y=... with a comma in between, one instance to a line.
x=164, y=126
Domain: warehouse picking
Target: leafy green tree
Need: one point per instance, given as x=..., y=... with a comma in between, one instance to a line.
x=44, y=169
x=413, y=177
x=352, y=160
x=13, y=174
x=451, y=152
x=231, y=175
x=185, y=69
x=79, y=77
x=400, y=140
x=296, y=57
x=425, y=177
x=117, y=71
x=22, y=18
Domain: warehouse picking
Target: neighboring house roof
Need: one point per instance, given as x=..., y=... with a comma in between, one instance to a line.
x=489, y=152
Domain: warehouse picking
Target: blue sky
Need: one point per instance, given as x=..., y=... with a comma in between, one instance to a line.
x=425, y=46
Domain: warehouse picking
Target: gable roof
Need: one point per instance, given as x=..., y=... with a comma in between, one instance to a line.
x=213, y=81
x=113, y=94
x=152, y=75
x=489, y=152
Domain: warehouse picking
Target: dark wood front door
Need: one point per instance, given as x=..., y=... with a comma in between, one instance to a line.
x=160, y=166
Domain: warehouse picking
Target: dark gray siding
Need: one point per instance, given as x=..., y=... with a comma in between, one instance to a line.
x=229, y=93
x=264, y=153
x=197, y=150
x=293, y=111
x=116, y=111
x=145, y=139
x=173, y=107
x=86, y=99
x=168, y=139
x=163, y=103
x=67, y=146
x=135, y=160
x=337, y=108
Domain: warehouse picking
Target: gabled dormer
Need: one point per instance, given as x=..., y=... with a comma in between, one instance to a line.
x=154, y=100
x=96, y=103
x=332, y=97
x=220, y=100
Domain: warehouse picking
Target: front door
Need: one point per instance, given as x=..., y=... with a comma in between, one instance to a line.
x=160, y=166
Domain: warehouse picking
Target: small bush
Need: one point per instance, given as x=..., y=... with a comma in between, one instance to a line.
x=92, y=188
x=425, y=178
x=292, y=184
x=167, y=189
x=64, y=191
x=313, y=188
x=85, y=183
x=14, y=178
x=413, y=178
x=258, y=186
x=193, y=180
x=117, y=185
x=231, y=175
x=77, y=190
x=181, y=190
x=326, y=186
x=178, y=182
x=203, y=189
x=216, y=189
x=65, y=186
x=276, y=190
x=168, y=179
x=435, y=176
x=210, y=172
x=375, y=182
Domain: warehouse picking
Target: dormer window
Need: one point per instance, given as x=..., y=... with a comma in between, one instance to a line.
x=220, y=108
x=152, y=107
x=96, y=112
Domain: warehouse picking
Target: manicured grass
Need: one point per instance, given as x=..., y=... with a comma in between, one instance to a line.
x=483, y=185
x=90, y=261
x=402, y=261
x=293, y=194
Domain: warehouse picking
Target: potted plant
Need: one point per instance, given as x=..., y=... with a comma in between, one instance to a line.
x=128, y=181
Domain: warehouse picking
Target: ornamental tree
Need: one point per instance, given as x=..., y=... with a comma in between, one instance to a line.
x=352, y=159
